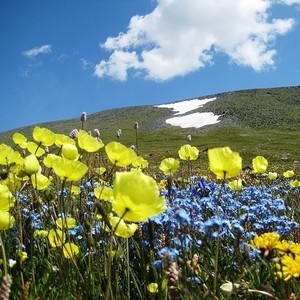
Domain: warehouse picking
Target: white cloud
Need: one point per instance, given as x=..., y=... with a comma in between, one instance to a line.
x=86, y=64
x=31, y=53
x=182, y=36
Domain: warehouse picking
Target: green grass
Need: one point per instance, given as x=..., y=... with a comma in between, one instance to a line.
x=253, y=122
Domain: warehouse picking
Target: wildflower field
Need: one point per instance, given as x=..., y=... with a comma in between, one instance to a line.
x=80, y=219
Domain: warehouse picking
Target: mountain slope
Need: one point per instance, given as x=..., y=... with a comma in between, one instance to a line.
x=253, y=122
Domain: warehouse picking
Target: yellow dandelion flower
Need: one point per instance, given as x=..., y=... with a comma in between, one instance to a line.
x=289, y=267
x=152, y=287
x=266, y=241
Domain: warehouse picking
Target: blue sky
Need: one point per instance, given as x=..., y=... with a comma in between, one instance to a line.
x=60, y=58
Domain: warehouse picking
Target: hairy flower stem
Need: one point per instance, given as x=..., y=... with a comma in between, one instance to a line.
x=218, y=240
x=263, y=293
x=109, y=263
x=3, y=255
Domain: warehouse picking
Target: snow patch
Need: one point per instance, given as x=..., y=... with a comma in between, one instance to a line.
x=196, y=120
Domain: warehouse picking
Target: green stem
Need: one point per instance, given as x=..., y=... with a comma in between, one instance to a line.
x=3, y=255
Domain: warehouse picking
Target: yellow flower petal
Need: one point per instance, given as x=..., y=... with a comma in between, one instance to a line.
x=169, y=165
x=136, y=196
x=6, y=220
x=224, y=163
x=259, y=164
x=66, y=223
x=70, y=250
x=68, y=169
x=187, y=152
x=40, y=181
x=87, y=142
x=119, y=154
x=6, y=198
x=56, y=238
x=44, y=136
x=31, y=164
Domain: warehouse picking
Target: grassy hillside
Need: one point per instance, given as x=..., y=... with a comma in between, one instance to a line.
x=254, y=122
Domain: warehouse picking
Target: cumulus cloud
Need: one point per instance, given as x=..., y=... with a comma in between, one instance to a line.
x=32, y=53
x=179, y=37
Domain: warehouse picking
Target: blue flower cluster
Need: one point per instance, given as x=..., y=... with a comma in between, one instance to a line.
x=207, y=211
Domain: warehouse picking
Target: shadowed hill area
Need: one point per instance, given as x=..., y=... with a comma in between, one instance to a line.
x=253, y=122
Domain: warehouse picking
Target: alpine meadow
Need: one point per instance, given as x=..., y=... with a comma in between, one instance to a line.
x=191, y=199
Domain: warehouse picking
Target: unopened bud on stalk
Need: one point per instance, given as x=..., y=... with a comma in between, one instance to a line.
x=189, y=138
x=96, y=133
x=119, y=133
x=83, y=117
x=74, y=134
x=136, y=125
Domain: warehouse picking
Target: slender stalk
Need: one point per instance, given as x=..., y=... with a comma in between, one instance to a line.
x=3, y=255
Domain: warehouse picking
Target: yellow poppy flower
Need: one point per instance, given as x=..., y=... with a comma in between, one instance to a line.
x=88, y=142
x=136, y=196
x=20, y=139
x=121, y=228
x=40, y=234
x=295, y=183
x=103, y=193
x=119, y=154
x=224, y=163
x=68, y=169
x=40, y=181
x=70, y=250
x=188, y=152
x=272, y=175
x=31, y=164
x=69, y=151
x=49, y=159
x=62, y=139
x=75, y=190
x=65, y=223
x=259, y=164
x=6, y=220
x=56, y=238
x=34, y=148
x=140, y=162
x=288, y=174
x=236, y=185
x=6, y=198
x=169, y=165
x=9, y=156
x=44, y=136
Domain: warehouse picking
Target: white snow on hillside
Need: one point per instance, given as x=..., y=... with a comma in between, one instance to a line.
x=196, y=120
